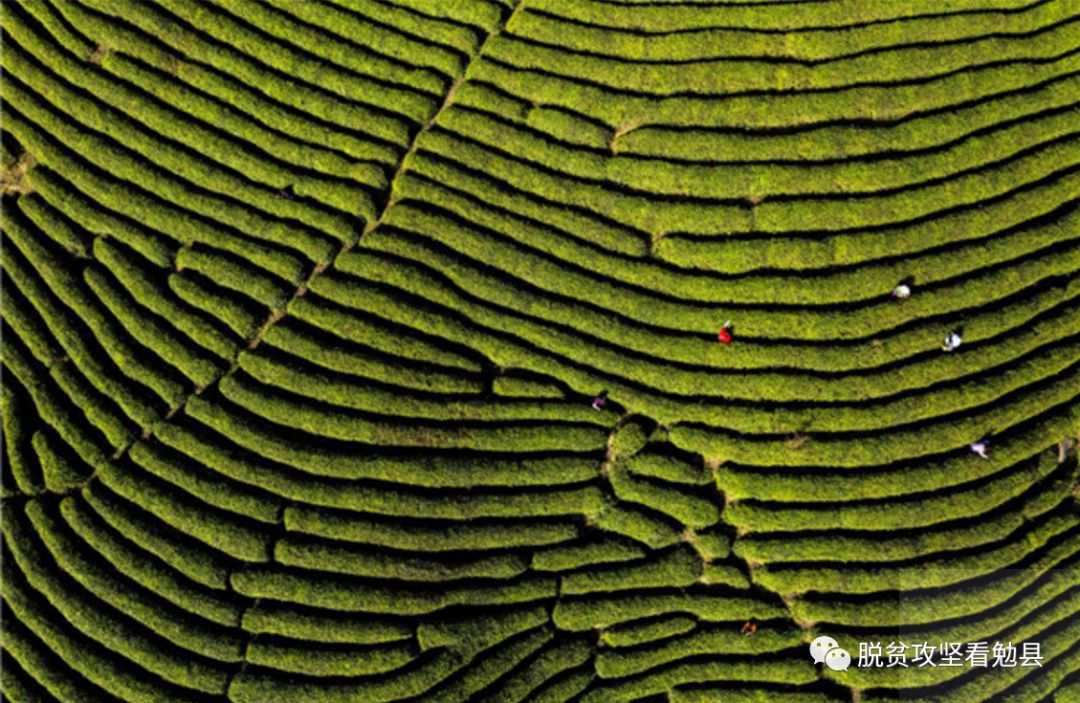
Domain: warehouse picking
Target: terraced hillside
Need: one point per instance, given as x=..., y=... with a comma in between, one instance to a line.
x=341, y=446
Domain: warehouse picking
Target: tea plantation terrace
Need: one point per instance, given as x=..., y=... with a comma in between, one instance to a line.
x=340, y=446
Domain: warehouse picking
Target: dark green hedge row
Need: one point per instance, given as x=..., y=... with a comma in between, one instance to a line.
x=635, y=633
x=82, y=636
x=811, y=34
x=577, y=614
x=930, y=131
x=754, y=73
x=776, y=111
x=351, y=358
x=330, y=627
x=921, y=608
x=676, y=568
x=656, y=178
x=849, y=24
x=935, y=572
x=359, y=394
x=83, y=564
x=877, y=547
x=429, y=537
x=725, y=641
x=155, y=38
x=320, y=555
x=325, y=591
x=433, y=470
x=155, y=132
x=969, y=501
x=334, y=423
x=314, y=660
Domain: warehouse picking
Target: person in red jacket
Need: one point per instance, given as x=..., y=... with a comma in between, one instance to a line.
x=725, y=333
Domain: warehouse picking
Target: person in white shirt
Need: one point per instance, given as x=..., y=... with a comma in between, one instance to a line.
x=953, y=341
x=981, y=447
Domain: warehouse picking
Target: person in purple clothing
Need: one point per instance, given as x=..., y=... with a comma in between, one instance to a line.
x=600, y=401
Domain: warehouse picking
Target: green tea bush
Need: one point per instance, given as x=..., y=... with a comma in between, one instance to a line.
x=714, y=182
x=274, y=77
x=98, y=626
x=599, y=550
x=478, y=631
x=422, y=40
x=635, y=633
x=676, y=568
x=54, y=408
x=435, y=471
x=330, y=627
x=313, y=660
x=556, y=658
x=155, y=246
x=577, y=614
x=376, y=333
x=618, y=663
x=27, y=477
x=206, y=486
x=155, y=132
x=327, y=592
x=188, y=557
x=932, y=572
x=867, y=103
x=151, y=332
x=145, y=567
x=82, y=656
x=164, y=184
x=237, y=314
x=638, y=525
x=686, y=508
x=336, y=354
x=58, y=473
x=27, y=325
x=62, y=324
x=234, y=275
x=342, y=559
x=815, y=34
x=902, y=513
x=668, y=468
x=464, y=536
x=267, y=46
x=84, y=566
x=937, y=605
x=152, y=293
x=337, y=424
x=362, y=395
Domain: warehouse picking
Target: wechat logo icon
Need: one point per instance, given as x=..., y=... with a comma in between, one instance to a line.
x=827, y=650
